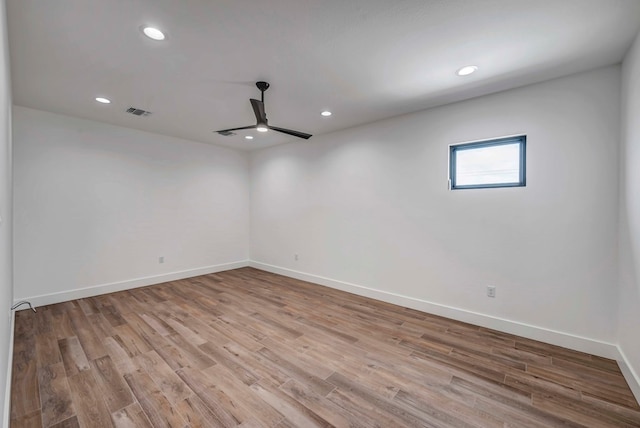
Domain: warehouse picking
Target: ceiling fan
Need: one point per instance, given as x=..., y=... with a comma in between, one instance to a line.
x=262, y=125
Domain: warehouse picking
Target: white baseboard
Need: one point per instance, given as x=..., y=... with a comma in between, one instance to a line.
x=7, y=392
x=566, y=340
x=95, y=290
x=630, y=374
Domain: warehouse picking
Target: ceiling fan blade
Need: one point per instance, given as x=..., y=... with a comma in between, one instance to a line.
x=236, y=129
x=258, y=110
x=291, y=132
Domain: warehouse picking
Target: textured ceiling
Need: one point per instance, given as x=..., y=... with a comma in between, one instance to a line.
x=364, y=60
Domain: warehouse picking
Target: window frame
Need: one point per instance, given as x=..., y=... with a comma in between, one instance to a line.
x=454, y=148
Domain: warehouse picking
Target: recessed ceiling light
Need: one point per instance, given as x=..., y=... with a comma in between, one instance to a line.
x=326, y=113
x=467, y=70
x=153, y=33
x=103, y=100
x=248, y=137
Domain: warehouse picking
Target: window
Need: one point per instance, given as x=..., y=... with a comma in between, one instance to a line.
x=491, y=163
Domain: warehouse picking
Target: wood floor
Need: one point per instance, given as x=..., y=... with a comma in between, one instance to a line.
x=253, y=349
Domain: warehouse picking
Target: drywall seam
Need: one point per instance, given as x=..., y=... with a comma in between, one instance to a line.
x=567, y=340
x=95, y=290
x=630, y=375
x=7, y=393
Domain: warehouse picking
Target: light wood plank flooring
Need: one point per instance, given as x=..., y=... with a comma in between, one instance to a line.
x=253, y=349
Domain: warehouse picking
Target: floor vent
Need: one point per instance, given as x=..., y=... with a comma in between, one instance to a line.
x=138, y=111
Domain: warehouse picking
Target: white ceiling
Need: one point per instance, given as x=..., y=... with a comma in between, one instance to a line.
x=364, y=60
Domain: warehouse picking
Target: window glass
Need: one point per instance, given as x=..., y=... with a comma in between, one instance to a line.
x=495, y=163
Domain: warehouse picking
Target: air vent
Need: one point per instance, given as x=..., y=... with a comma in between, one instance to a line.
x=138, y=111
x=226, y=133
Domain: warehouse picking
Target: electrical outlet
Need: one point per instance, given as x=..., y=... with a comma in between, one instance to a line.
x=295, y=257
x=491, y=291
x=161, y=259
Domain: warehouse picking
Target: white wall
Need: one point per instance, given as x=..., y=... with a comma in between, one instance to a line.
x=629, y=312
x=6, y=288
x=97, y=205
x=369, y=207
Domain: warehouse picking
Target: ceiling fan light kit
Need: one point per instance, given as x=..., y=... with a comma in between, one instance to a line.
x=262, y=124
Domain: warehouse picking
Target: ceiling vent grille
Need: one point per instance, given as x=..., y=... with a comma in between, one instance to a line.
x=138, y=112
